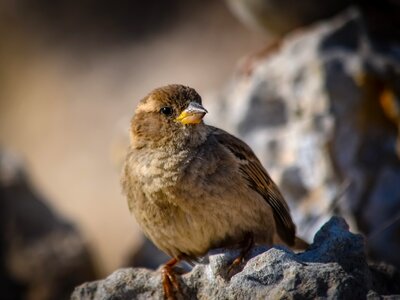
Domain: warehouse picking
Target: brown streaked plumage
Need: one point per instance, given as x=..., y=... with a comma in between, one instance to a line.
x=194, y=187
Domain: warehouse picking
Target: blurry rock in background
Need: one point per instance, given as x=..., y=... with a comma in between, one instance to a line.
x=42, y=256
x=278, y=17
x=322, y=113
x=382, y=22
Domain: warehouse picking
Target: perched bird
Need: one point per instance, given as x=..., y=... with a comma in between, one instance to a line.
x=193, y=187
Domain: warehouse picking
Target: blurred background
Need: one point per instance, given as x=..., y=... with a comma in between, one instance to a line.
x=72, y=72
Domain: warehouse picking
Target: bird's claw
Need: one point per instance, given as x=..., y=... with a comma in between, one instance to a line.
x=169, y=281
x=234, y=265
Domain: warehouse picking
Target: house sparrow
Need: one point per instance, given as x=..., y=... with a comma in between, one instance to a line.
x=193, y=187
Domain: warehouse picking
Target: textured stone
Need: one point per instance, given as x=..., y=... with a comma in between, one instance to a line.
x=334, y=267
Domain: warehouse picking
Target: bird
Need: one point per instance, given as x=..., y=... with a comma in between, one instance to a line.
x=193, y=187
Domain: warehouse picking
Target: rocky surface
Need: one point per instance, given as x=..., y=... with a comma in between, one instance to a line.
x=42, y=256
x=322, y=112
x=334, y=267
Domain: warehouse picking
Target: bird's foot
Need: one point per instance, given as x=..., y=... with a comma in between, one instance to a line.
x=169, y=280
x=247, y=244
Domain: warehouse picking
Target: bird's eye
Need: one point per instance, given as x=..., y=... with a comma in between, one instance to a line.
x=166, y=111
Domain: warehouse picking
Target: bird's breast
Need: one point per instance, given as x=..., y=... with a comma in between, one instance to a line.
x=159, y=171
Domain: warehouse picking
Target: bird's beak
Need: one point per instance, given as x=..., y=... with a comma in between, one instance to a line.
x=193, y=114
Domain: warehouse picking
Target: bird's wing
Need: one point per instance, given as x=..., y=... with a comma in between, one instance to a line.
x=259, y=180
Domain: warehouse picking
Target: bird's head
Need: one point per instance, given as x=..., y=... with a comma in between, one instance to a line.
x=170, y=115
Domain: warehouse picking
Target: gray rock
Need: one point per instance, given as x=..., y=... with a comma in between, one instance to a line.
x=334, y=267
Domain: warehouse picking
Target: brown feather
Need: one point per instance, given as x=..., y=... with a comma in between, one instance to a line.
x=259, y=180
